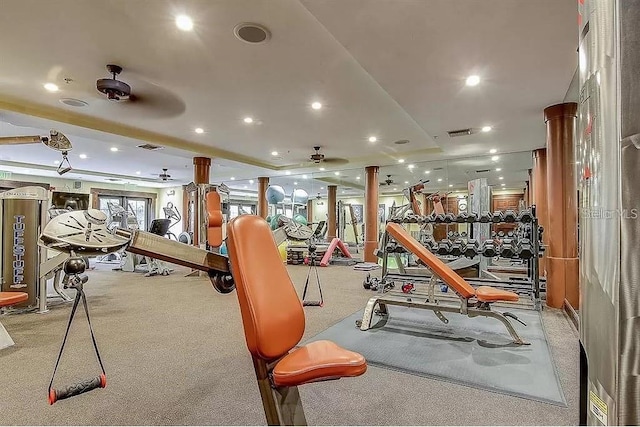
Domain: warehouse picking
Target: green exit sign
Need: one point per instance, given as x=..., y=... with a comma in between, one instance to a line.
x=5, y=175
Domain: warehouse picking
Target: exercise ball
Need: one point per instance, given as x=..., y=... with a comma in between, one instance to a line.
x=274, y=194
x=274, y=222
x=268, y=219
x=300, y=197
x=300, y=219
x=223, y=249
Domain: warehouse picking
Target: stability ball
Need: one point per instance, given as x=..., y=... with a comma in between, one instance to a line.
x=300, y=197
x=274, y=194
x=300, y=219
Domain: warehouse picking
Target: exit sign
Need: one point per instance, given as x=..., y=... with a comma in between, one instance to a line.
x=5, y=175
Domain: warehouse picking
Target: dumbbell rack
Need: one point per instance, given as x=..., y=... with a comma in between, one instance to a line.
x=531, y=286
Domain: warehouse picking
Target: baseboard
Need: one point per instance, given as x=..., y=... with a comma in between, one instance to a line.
x=573, y=314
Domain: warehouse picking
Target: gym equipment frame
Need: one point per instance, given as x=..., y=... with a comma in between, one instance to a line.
x=472, y=302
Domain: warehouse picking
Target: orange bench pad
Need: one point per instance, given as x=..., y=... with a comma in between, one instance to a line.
x=317, y=361
x=11, y=298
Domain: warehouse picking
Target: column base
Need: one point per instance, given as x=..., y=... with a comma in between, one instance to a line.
x=562, y=282
x=369, y=248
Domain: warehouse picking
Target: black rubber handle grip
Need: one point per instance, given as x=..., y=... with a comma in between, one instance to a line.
x=76, y=389
x=312, y=304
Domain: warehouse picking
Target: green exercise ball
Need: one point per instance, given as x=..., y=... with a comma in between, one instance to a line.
x=300, y=219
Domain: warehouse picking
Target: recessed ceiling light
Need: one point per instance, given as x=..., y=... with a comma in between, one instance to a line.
x=495, y=158
x=502, y=185
x=287, y=172
x=114, y=149
x=56, y=162
x=199, y=130
x=473, y=80
x=372, y=139
x=493, y=151
x=316, y=105
x=406, y=182
x=250, y=181
x=439, y=179
x=411, y=166
x=305, y=176
x=450, y=185
x=248, y=120
x=343, y=192
x=322, y=188
x=274, y=153
x=138, y=172
x=498, y=169
x=184, y=23
x=501, y=177
x=486, y=128
x=245, y=186
x=395, y=189
x=83, y=156
x=233, y=178
x=358, y=177
x=336, y=173
x=427, y=172
x=400, y=160
x=51, y=87
x=322, y=169
x=295, y=183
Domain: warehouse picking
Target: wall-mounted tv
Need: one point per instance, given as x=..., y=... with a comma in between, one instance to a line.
x=73, y=201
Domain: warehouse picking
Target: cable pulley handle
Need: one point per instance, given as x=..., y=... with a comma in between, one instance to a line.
x=79, y=388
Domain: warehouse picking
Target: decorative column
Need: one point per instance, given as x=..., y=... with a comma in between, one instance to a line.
x=310, y=211
x=371, y=226
x=331, y=212
x=562, y=257
x=201, y=169
x=263, y=206
x=539, y=198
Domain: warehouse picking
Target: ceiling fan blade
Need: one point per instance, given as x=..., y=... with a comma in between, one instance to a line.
x=335, y=161
x=12, y=140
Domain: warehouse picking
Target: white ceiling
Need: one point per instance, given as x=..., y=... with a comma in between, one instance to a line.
x=386, y=68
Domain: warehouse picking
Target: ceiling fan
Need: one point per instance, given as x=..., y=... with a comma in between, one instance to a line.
x=56, y=141
x=387, y=181
x=318, y=158
x=147, y=99
x=164, y=176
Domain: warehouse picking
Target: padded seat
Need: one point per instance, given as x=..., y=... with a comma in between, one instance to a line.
x=489, y=294
x=11, y=298
x=317, y=361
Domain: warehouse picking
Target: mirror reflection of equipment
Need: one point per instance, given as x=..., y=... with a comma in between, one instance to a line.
x=56, y=141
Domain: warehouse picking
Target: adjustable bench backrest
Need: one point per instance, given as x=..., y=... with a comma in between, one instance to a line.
x=272, y=313
x=448, y=276
x=214, y=219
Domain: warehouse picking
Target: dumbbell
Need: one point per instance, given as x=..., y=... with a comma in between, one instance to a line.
x=497, y=216
x=397, y=220
x=463, y=234
x=525, y=249
x=391, y=247
x=431, y=218
x=510, y=233
x=457, y=248
x=430, y=244
x=494, y=235
x=525, y=216
x=444, y=247
x=471, y=249
x=450, y=234
x=472, y=217
x=485, y=217
x=462, y=217
x=412, y=218
x=509, y=216
x=423, y=219
x=439, y=219
x=489, y=249
x=507, y=249
x=449, y=218
x=500, y=233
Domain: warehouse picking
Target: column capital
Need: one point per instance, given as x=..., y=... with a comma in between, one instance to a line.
x=202, y=161
x=558, y=111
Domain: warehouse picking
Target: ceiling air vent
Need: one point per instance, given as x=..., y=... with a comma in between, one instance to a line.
x=150, y=147
x=459, y=132
x=483, y=170
x=113, y=179
x=252, y=33
x=437, y=169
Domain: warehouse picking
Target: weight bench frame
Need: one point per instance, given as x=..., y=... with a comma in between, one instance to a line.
x=432, y=303
x=282, y=405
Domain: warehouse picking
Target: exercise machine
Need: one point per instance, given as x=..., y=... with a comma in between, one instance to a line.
x=173, y=215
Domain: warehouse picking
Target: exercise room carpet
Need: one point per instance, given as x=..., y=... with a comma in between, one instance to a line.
x=477, y=352
x=175, y=354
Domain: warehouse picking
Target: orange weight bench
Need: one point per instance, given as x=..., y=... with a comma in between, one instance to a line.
x=274, y=322
x=473, y=302
x=7, y=299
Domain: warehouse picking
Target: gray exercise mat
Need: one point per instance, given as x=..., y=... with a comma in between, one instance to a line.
x=475, y=352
